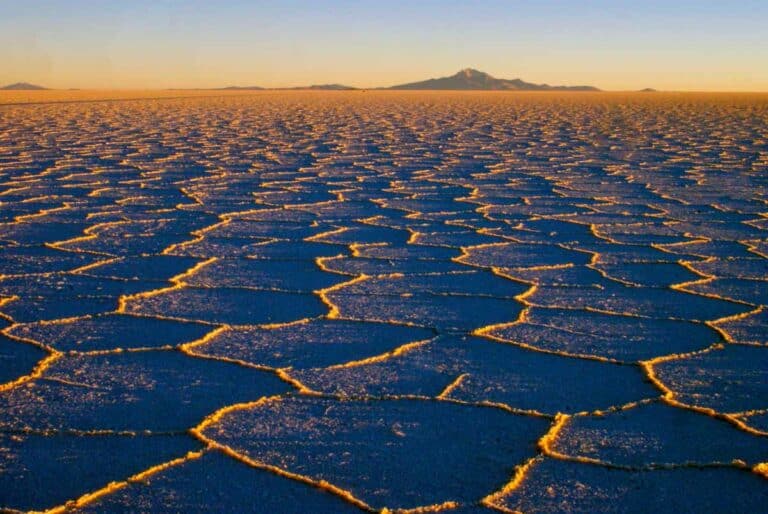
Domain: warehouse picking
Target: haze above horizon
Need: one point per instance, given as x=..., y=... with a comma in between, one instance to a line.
x=622, y=45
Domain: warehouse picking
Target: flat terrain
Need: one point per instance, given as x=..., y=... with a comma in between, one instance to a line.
x=345, y=301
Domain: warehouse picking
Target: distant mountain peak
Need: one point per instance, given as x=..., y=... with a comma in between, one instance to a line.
x=472, y=79
x=22, y=86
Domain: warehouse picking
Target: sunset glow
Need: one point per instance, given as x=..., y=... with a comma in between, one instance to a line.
x=626, y=45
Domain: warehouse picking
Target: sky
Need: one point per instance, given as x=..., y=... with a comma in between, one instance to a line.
x=615, y=45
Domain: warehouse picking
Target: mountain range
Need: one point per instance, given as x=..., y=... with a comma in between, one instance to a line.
x=22, y=86
x=465, y=80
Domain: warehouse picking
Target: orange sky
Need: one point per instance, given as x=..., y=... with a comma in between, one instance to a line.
x=690, y=45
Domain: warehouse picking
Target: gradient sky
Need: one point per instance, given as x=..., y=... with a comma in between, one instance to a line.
x=670, y=44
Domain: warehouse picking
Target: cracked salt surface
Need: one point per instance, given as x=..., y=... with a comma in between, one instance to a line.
x=293, y=302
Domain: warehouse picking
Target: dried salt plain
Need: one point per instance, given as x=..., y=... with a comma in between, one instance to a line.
x=335, y=302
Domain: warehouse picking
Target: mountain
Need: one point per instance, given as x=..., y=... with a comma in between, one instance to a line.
x=22, y=86
x=469, y=79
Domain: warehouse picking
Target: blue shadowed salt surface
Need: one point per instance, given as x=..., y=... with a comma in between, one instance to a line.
x=349, y=302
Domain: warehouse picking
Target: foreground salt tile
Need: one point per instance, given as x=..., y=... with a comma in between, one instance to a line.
x=708, y=249
x=476, y=370
x=754, y=292
x=751, y=328
x=141, y=268
x=637, y=301
x=136, y=391
x=749, y=269
x=314, y=343
x=216, y=482
x=123, y=245
x=33, y=233
x=516, y=255
x=554, y=486
x=48, y=297
x=657, y=233
x=17, y=358
x=234, y=306
x=721, y=230
x=267, y=274
x=647, y=274
x=389, y=453
x=110, y=331
x=42, y=471
x=445, y=314
x=438, y=301
x=295, y=250
x=606, y=252
x=22, y=260
x=560, y=275
x=465, y=283
x=658, y=434
x=610, y=336
x=731, y=379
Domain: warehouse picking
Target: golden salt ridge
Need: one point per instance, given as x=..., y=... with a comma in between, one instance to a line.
x=527, y=265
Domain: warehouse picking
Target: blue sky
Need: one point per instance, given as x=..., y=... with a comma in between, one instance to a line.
x=701, y=45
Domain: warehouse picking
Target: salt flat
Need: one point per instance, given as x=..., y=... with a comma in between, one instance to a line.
x=346, y=301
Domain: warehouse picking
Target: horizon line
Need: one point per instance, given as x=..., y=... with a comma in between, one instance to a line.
x=320, y=88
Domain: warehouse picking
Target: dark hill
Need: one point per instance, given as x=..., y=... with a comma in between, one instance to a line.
x=469, y=80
